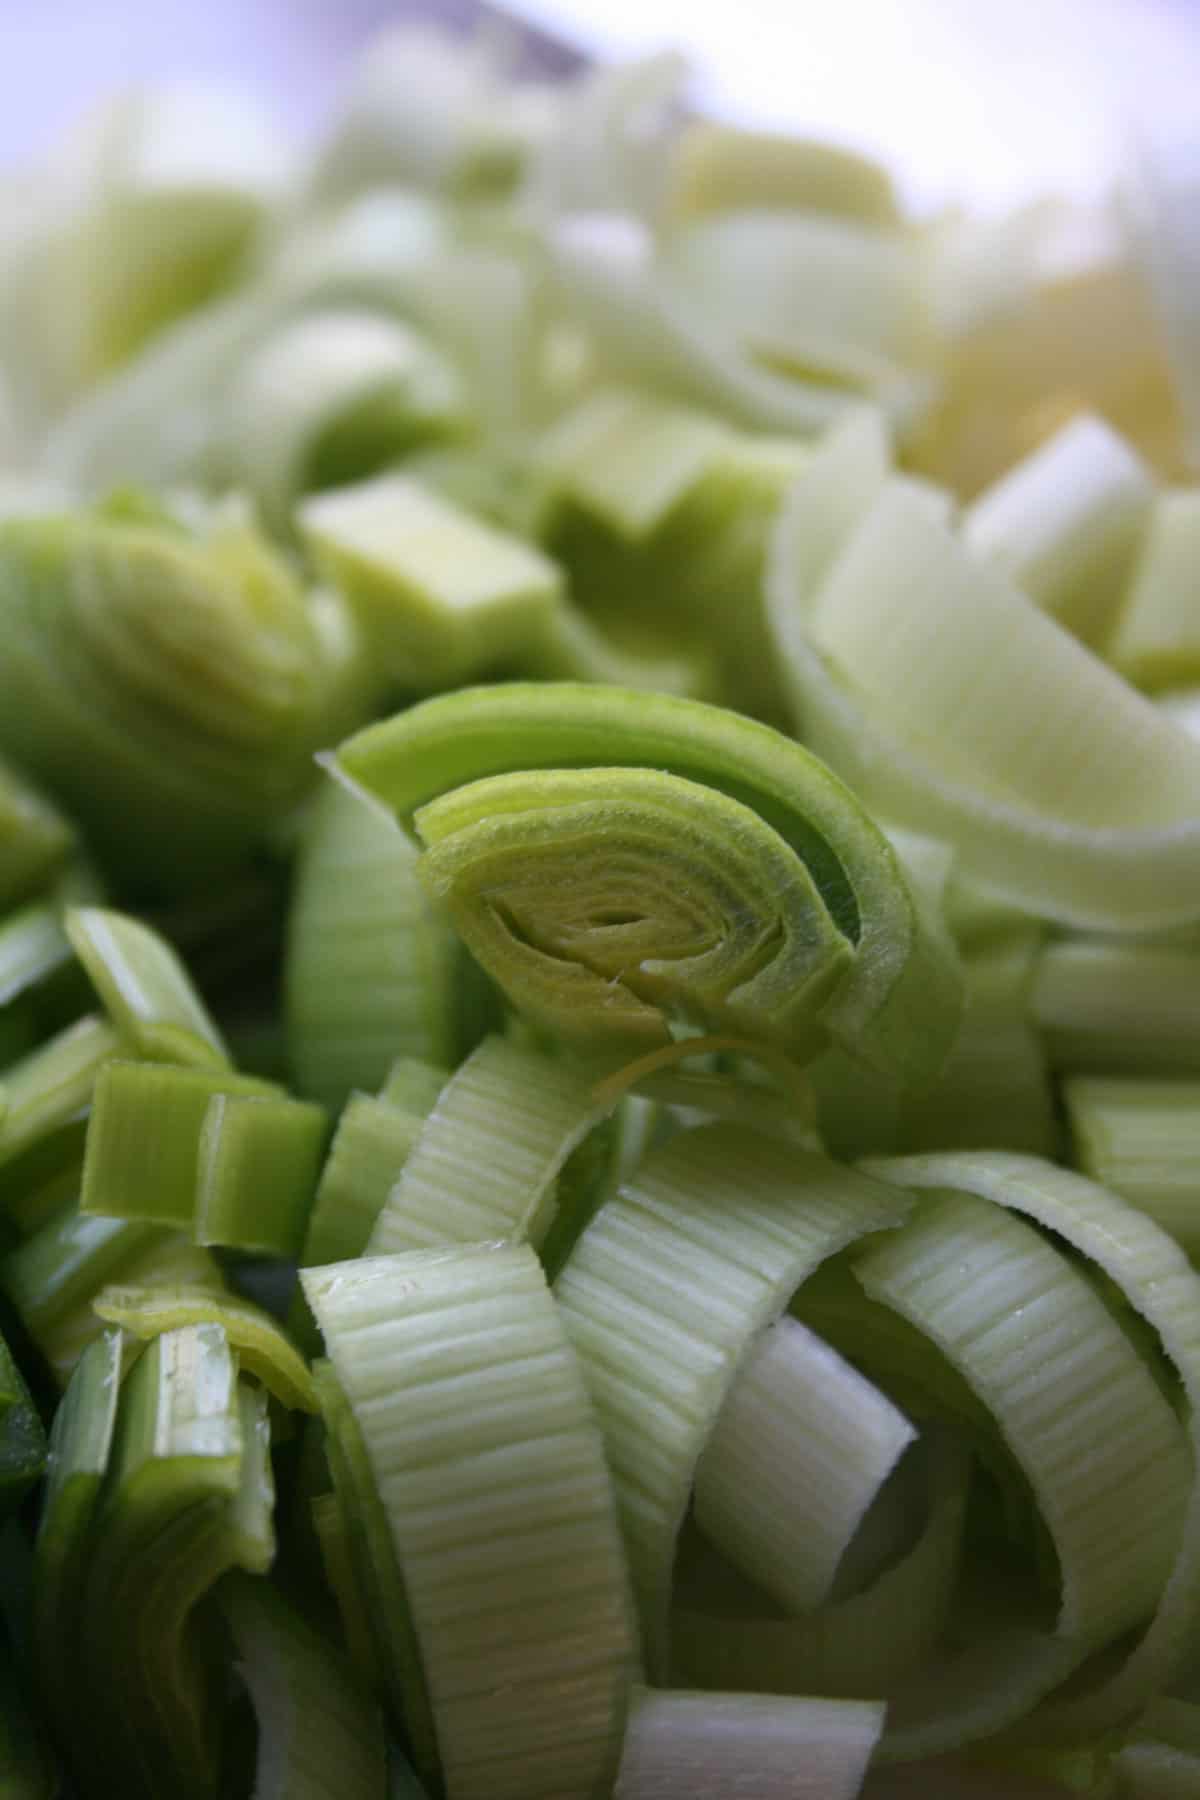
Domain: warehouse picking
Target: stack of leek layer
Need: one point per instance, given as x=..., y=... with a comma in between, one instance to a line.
x=599, y=962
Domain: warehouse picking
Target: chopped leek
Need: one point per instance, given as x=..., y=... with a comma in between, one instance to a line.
x=1141, y=1139
x=145, y=989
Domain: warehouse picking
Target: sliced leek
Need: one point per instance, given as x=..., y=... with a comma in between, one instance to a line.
x=801, y=1446
x=898, y=1002
x=492, y=1474
x=1141, y=1139
x=371, y=1145
x=1156, y=642
x=1106, y=1007
x=53, y=1085
x=484, y=1164
x=259, y=1160
x=663, y=1296
x=145, y=988
x=1078, y=803
x=371, y=968
x=263, y=1349
x=319, y=1736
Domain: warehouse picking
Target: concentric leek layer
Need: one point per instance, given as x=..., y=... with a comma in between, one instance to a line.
x=620, y=860
x=491, y=1471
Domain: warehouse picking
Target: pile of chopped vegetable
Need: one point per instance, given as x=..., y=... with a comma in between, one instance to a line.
x=599, y=752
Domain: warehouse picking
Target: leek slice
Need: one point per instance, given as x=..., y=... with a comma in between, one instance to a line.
x=1153, y=1274
x=1121, y=1009
x=186, y=1497
x=35, y=838
x=1141, y=1139
x=757, y=1746
x=53, y=1085
x=440, y=593
x=492, y=1475
x=262, y=1347
x=371, y=1145
x=371, y=968
x=609, y=143
x=146, y=990
x=716, y=168
x=663, y=1296
x=801, y=1446
x=329, y=1528
x=1079, y=804
x=1156, y=642
x=81, y=1440
x=330, y=397
x=318, y=1735
x=1065, y=524
x=898, y=1005
x=144, y=1154
x=510, y=1114
x=861, y=1645
x=167, y=688
x=259, y=1160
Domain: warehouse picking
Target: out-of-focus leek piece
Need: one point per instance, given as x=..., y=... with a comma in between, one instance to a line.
x=1156, y=642
x=35, y=837
x=1141, y=1138
x=1104, y=1007
x=145, y=988
x=717, y=168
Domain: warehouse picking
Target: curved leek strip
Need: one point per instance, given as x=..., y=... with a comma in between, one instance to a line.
x=146, y=990
x=1081, y=803
x=33, y=947
x=145, y=1153
x=1118, y=1008
x=1160, y=1285
x=371, y=969
x=757, y=1746
x=259, y=1162
x=1039, y=1346
x=319, y=1736
x=604, y=267
x=53, y=1084
x=168, y=689
x=1066, y=523
x=440, y=594
x=182, y=181
x=811, y=293
x=35, y=838
x=663, y=1296
x=378, y=1582
x=81, y=1439
x=187, y=1496
x=859, y=1646
x=1156, y=642
x=1141, y=1139
x=800, y=1448
x=509, y=1115
x=332, y=396
x=262, y=1347
x=492, y=1474
x=370, y=1147
x=716, y=168
x=609, y=145
x=898, y=1004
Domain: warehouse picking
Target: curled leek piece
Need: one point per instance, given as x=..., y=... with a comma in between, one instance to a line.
x=263, y=1348
x=560, y=820
x=318, y=1734
x=145, y=988
x=492, y=1476
x=904, y=655
x=1156, y=642
x=1141, y=1139
x=663, y=1296
x=709, y=1746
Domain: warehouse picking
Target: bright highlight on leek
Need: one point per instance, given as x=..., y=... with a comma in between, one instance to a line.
x=599, y=960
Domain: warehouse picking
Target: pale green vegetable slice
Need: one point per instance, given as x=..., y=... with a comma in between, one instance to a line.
x=1141, y=1139
x=371, y=970
x=319, y=1735
x=1159, y=1284
x=1066, y=523
x=262, y=1347
x=898, y=1005
x=145, y=988
x=440, y=593
x=609, y=141
x=758, y=1746
x=371, y=1145
x=860, y=1645
x=717, y=167
x=483, y=1167
x=954, y=706
x=1119, y=1008
x=663, y=1296
x=800, y=1448
x=491, y=1472
x=259, y=1161
x=1040, y=1348
x=53, y=1084
x=1156, y=642
x=330, y=397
